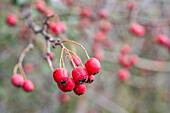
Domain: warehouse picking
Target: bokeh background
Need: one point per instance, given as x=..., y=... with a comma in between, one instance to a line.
x=146, y=91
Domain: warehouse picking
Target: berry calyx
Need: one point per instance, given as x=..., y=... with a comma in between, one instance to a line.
x=69, y=86
x=91, y=78
x=12, y=20
x=60, y=75
x=80, y=75
x=93, y=66
x=17, y=80
x=80, y=89
x=28, y=85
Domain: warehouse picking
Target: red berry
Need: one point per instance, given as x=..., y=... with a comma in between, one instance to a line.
x=80, y=75
x=61, y=87
x=28, y=85
x=61, y=75
x=137, y=29
x=162, y=39
x=76, y=60
x=134, y=59
x=17, y=80
x=131, y=5
x=123, y=74
x=125, y=61
x=93, y=66
x=12, y=19
x=69, y=85
x=58, y=28
x=28, y=67
x=86, y=12
x=91, y=78
x=64, y=97
x=80, y=89
x=105, y=26
x=40, y=5
x=100, y=36
x=103, y=13
x=51, y=56
x=125, y=49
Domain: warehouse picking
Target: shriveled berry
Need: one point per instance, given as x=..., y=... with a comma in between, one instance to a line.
x=80, y=75
x=93, y=66
x=12, y=20
x=91, y=78
x=17, y=80
x=60, y=75
x=123, y=74
x=28, y=85
x=80, y=89
x=137, y=29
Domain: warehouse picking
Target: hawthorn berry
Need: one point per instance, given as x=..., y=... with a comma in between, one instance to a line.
x=93, y=66
x=40, y=5
x=80, y=75
x=64, y=97
x=134, y=59
x=28, y=85
x=68, y=86
x=79, y=89
x=100, y=36
x=137, y=29
x=85, y=12
x=60, y=75
x=131, y=5
x=17, y=80
x=58, y=28
x=91, y=78
x=162, y=39
x=76, y=60
x=125, y=49
x=12, y=20
x=103, y=13
x=124, y=61
x=123, y=75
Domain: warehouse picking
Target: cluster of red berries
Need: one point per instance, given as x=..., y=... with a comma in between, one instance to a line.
x=80, y=76
x=18, y=81
x=126, y=61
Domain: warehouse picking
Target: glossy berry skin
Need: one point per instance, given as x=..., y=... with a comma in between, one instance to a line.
x=61, y=87
x=85, y=12
x=125, y=49
x=91, y=78
x=134, y=59
x=76, y=60
x=12, y=20
x=80, y=75
x=58, y=28
x=80, y=89
x=28, y=85
x=162, y=39
x=123, y=75
x=103, y=13
x=40, y=5
x=61, y=75
x=137, y=29
x=93, y=66
x=17, y=80
x=69, y=85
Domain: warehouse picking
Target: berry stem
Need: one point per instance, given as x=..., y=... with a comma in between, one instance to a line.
x=61, y=57
x=78, y=45
x=23, y=73
x=15, y=69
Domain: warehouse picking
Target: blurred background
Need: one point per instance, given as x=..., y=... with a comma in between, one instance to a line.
x=130, y=38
